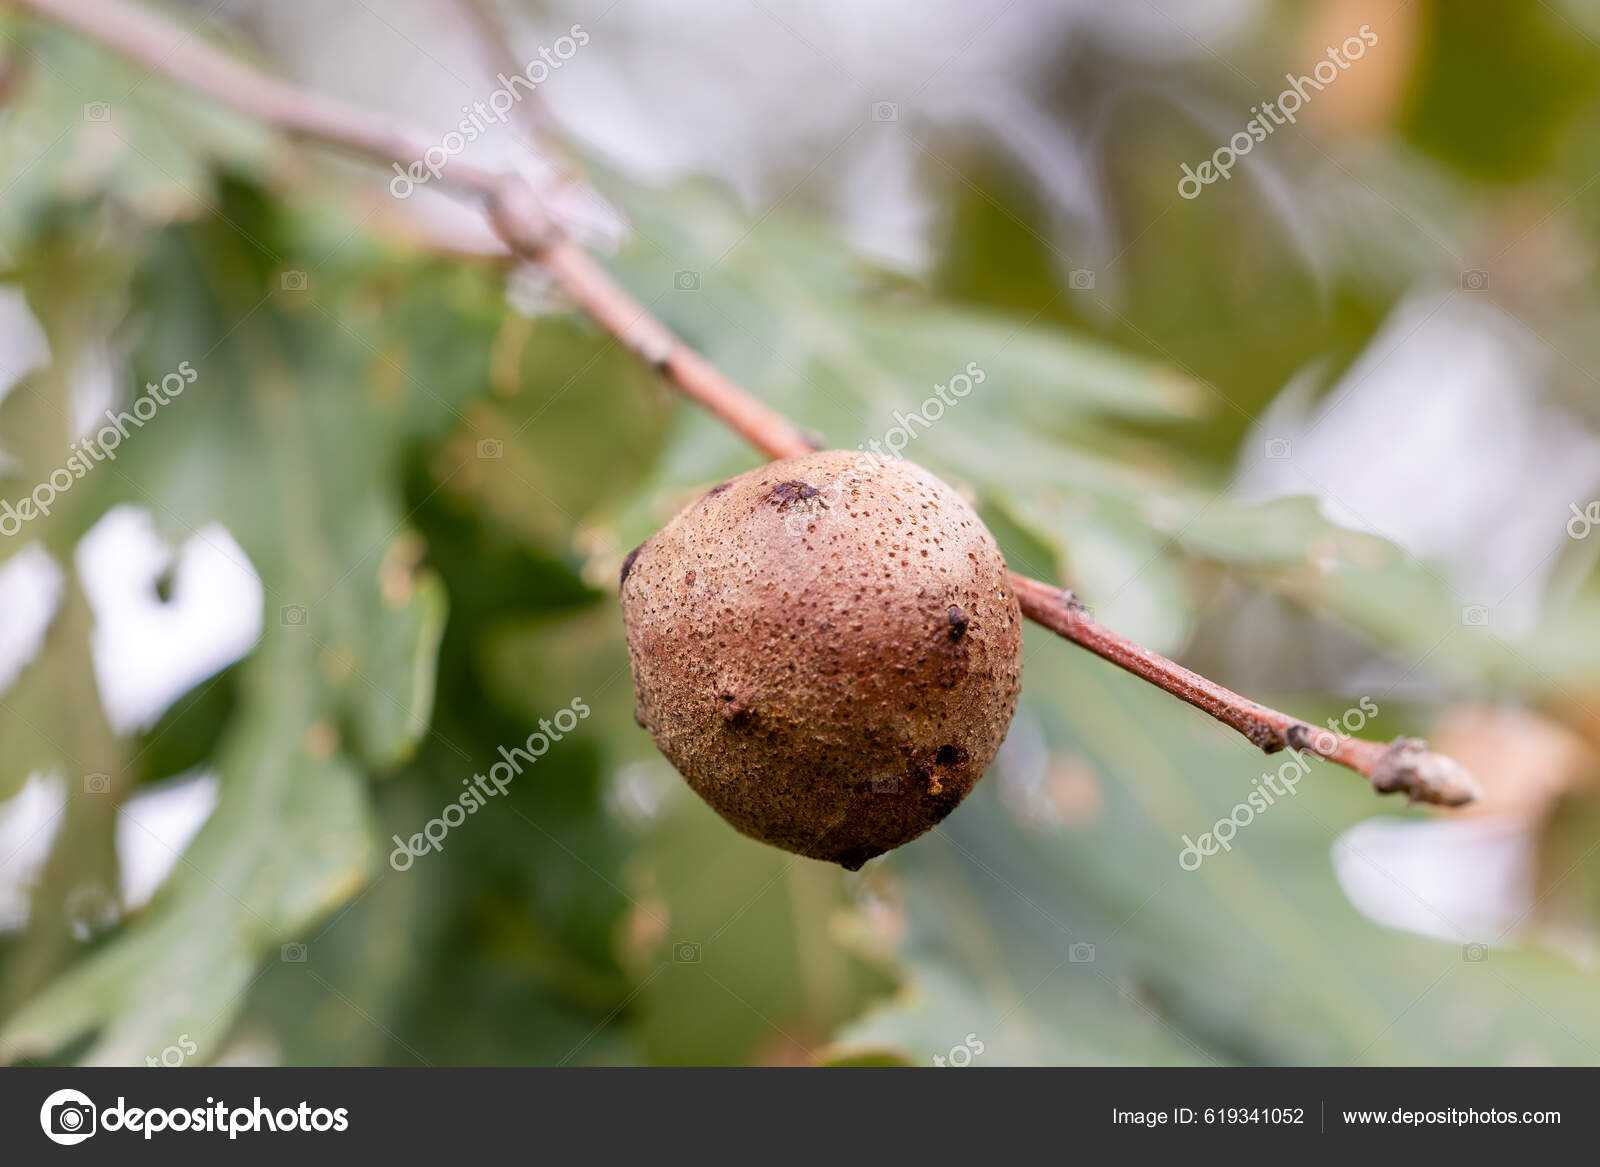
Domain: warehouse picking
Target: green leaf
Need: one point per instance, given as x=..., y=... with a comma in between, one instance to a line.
x=1254, y=957
x=86, y=127
x=342, y=681
x=289, y=840
x=742, y=953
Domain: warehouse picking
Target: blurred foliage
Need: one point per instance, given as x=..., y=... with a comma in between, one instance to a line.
x=444, y=487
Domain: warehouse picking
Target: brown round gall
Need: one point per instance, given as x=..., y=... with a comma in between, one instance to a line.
x=828, y=649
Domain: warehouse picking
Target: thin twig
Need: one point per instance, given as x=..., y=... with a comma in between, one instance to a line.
x=1403, y=765
x=494, y=37
x=518, y=217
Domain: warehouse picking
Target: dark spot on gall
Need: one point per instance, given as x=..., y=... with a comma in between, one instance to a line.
x=735, y=712
x=627, y=564
x=786, y=494
x=958, y=622
x=950, y=756
x=718, y=489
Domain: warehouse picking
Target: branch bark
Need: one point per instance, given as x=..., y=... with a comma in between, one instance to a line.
x=516, y=214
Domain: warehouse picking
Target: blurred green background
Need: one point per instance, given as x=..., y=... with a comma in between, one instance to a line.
x=1321, y=432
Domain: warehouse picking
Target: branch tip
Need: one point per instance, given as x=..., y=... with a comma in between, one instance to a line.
x=1423, y=775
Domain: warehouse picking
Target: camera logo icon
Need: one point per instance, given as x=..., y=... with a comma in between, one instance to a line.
x=293, y=953
x=886, y=784
x=1277, y=449
x=294, y=616
x=293, y=281
x=686, y=952
x=491, y=448
x=1475, y=616
x=97, y=111
x=686, y=281
x=1081, y=953
x=1475, y=281
x=96, y=784
x=885, y=111
x=68, y=1117
x=1081, y=279
x=1474, y=953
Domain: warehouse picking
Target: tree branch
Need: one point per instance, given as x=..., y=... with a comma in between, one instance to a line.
x=515, y=212
x=1403, y=765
